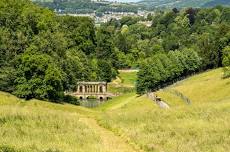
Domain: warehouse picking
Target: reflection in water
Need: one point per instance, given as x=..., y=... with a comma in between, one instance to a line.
x=91, y=103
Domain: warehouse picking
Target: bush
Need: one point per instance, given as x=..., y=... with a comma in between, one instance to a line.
x=71, y=100
x=226, y=62
x=7, y=149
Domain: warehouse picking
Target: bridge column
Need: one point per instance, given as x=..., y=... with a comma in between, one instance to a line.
x=83, y=89
x=104, y=89
x=78, y=88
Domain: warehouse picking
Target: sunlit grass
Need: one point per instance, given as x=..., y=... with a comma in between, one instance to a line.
x=205, y=87
x=124, y=83
x=203, y=125
x=42, y=126
x=128, y=78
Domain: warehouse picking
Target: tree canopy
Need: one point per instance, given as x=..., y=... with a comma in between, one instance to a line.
x=43, y=54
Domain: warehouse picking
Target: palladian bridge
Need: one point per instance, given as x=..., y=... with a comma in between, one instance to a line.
x=86, y=90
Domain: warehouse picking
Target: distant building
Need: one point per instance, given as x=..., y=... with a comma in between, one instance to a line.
x=146, y=23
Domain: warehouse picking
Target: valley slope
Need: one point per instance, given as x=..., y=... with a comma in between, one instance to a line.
x=135, y=123
x=184, y=3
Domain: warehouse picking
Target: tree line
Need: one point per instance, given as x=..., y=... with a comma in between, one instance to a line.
x=43, y=54
x=163, y=69
x=204, y=31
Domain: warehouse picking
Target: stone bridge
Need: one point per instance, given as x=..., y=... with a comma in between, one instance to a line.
x=86, y=90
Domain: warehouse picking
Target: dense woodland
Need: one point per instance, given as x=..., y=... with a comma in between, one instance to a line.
x=43, y=54
x=205, y=33
x=179, y=43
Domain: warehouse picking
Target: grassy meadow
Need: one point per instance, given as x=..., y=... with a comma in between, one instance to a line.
x=35, y=126
x=127, y=123
x=204, y=125
x=39, y=126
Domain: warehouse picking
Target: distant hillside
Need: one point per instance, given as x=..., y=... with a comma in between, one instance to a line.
x=217, y=2
x=184, y=3
x=85, y=6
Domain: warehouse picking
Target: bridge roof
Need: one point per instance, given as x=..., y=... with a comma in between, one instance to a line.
x=92, y=83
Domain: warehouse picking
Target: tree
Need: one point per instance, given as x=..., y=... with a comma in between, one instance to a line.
x=105, y=71
x=38, y=77
x=163, y=69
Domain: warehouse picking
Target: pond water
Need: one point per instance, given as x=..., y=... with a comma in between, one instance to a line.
x=91, y=103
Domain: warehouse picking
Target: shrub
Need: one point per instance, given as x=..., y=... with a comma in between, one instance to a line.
x=71, y=100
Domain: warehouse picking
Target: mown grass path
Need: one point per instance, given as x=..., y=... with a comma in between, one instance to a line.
x=110, y=142
x=82, y=130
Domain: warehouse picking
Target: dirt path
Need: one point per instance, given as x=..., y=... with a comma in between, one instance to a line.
x=129, y=70
x=110, y=142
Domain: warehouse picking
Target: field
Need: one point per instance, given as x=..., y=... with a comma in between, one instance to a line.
x=126, y=123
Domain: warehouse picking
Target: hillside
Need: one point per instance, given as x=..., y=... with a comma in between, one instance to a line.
x=200, y=126
x=35, y=126
x=184, y=3
x=125, y=123
x=217, y=2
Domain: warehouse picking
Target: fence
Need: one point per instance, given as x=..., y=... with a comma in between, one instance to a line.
x=179, y=94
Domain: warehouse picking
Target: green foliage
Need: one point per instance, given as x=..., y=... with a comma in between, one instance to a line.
x=7, y=149
x=38, y=77
x=105, y=71
x=226, y=62
x=42, y=54
x=205, y=32
x=163, y=69
x=71, y=100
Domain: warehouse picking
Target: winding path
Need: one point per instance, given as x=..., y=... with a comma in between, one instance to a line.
x=109, y=140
